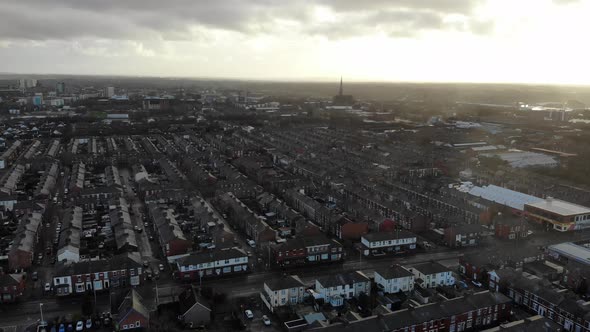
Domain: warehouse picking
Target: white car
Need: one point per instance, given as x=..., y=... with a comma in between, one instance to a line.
x=476, y=283
x=47, y=287
x=161, y=267
x=266, y=320
x=79, y=326
x=88, y=323
x=249, y=314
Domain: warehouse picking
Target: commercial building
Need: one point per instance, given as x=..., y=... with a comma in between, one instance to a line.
x=559, y=215
x=119, y=272
x=60, y=88
x=211, y=264
x=571, y=252
x=521, y=159
x=382, y=243
x=109, y=91
x=500, y=195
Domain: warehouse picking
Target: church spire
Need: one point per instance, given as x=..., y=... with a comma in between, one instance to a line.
x=341, y=90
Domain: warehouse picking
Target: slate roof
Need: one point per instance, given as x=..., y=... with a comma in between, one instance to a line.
x=342, y=279
x=385, y=236
x=394, y=272
x=283, y=283
x=212, y=256
x=429, y=268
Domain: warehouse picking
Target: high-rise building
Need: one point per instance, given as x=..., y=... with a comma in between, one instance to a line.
x=25, y=83
x=38, y=99
x=110, y=91
x=60, y=88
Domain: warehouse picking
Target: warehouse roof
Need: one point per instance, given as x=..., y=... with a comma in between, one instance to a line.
x=572, y=251
x=500, y=195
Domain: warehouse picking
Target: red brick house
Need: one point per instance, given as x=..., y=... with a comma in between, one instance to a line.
x=477, y=266
x=305, y=250
x=119, y=272
x=26, y=237
x=346, y=229
x=11, y=287
x=170, y=235
x=466, y=235
x=511, y=229
x=132, y=313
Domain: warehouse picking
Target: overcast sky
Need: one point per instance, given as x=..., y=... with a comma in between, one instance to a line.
x=540, y=41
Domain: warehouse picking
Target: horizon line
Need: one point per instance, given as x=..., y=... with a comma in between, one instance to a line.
x=296, y=80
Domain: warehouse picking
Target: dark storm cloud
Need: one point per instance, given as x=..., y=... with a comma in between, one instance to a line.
x=173, y=20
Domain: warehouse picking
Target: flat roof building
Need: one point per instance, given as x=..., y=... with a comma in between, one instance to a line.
x=569, y=251
x=559, y=215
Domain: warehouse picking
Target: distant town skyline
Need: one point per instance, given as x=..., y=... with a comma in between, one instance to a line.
x=495, y=41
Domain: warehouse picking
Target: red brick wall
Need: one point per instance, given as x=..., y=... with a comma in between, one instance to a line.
x=354, y=231
x=178, y=247
x=132, y=318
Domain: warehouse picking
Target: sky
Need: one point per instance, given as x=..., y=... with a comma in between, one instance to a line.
x=508, y=41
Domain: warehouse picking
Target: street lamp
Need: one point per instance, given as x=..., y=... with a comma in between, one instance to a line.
x=41, y=309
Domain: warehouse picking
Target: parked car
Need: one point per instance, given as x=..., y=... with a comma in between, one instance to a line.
x=462, y=284
x=62, y=328
x=79, y=326
x=252, y=243
x=88, y=324
x=266, y=320
x=476, y=283
x=249, y=314
x=35, y=276
x=47, y=287
x=161, y=267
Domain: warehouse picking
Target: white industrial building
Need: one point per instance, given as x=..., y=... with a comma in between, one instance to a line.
x=500, y=195
x=521, y=159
